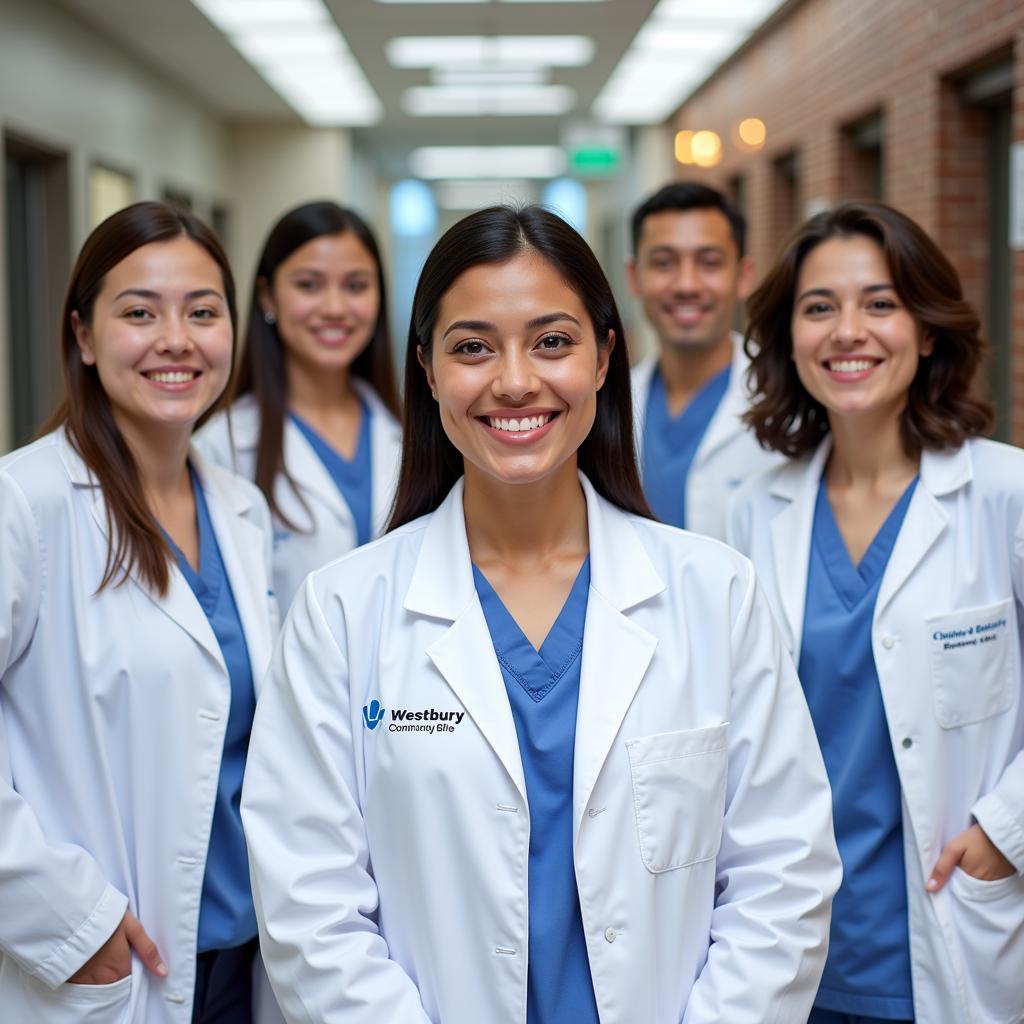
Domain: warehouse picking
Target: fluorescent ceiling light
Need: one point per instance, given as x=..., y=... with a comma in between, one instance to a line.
x=475, y=195
x=502, y=162
x=750, y=12
x=489, y=76
x=489, y=100
x=300, y=52
x=435, y=51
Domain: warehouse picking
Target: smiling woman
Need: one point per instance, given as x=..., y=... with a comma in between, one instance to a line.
x=135, y=625
x=610, y=760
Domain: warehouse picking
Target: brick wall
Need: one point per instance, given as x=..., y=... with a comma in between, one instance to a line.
x=825, y=66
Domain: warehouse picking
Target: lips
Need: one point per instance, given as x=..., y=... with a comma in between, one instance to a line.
x=172, y=377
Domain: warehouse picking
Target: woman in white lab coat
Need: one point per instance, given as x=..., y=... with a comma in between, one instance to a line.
x=892, y=549
x=532, y=757
x=314, y=424
x=135, y=625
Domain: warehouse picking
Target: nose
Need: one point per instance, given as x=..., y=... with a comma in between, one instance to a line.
x=850, y=326
x=686, y=282
x=175, y=339
x=514, y=378
x=335, y=303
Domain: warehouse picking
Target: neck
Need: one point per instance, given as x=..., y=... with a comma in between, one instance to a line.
x=313, y=391
x=686, y=370
x=868, y=451
x=524, y=524
x=161, y=458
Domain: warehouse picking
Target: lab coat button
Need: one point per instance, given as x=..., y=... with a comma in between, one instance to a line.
x=610, y=934
x=907, y=742
x=888, y=642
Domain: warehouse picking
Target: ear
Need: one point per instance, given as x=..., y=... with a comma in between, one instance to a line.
x=263, y=296
x=745, y=278
x=631, y=278
x=604, y=356
x=926, y=346
x=83, y=336
x=428, y=370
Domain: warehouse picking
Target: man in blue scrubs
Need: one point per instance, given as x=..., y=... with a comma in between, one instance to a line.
x=689, y=272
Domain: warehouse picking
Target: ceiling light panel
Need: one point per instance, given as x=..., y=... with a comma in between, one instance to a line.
x=500, y=162
x=489, y=100
x=300, y=52
x=475, y=195
x=680, y=44
x=438, y=51
x=489, y=76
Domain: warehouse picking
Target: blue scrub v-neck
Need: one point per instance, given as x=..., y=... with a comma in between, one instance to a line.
x=867, y=972
x=543, y=691
x=226, y=914
x=671, y=443
x=352, y=476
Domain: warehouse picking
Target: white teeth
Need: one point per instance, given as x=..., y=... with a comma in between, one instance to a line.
x=850, y=365
x=172, y=377
x=520, y=425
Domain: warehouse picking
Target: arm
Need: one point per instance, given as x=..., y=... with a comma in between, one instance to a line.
x=316, y=900
x=58, y=909
x=778, y=867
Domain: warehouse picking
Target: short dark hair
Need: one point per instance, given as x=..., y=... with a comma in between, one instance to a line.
x=940, y=410
x=691, y=195
x=431, y=464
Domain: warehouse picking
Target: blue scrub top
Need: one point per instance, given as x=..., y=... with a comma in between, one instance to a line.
x=868, y=968
x=226, y=914
x=543, y=688
x=352, y=478
x=670, y=443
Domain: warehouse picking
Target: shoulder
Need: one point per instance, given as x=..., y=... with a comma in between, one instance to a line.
x=237, y=426
x=997, y=464
x=39, y=470
x=235, y=490
x=382, y=415
x=640, y=372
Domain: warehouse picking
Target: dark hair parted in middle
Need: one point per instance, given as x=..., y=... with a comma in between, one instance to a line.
x=431, y=464
x=940, y=409
x=263, y=367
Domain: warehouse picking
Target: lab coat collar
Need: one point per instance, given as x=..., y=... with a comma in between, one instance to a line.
x=727, y=421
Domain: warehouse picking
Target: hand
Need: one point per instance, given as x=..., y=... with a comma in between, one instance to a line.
x=113, y=960
x=972, y=851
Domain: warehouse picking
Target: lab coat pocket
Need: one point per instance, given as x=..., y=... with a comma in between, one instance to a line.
x=972, y=663
x=679, y=795
x=988, y=921
x=30, y=1000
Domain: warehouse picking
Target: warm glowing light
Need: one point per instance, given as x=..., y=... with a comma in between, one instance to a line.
x=752, y=132
x=684, y=147
x=706, y=148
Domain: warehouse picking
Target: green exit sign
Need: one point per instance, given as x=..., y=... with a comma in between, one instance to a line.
x=595, y=160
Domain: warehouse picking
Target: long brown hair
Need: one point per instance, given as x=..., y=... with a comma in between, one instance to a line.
x=264, y=370
x=135, y=541
x=940, y=409
x=431, y=464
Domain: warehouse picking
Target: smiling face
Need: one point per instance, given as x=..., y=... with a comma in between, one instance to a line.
x=160, y=336
x=515, y=366
x=855, y=344
x=326, y=300
x=688, y=275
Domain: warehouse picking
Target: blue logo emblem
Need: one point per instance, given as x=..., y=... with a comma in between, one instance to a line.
x=373, y=714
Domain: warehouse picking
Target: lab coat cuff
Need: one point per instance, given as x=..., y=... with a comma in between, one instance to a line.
x=83, y=943
x=1002, y=827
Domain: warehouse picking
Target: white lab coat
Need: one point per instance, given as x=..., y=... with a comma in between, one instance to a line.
x=728, y=453
x=327, y=530
x=113, y=708
x=955, y=715
x=390, y=868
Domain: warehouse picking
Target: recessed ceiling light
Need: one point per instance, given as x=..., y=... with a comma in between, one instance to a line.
x=502, y=162
x=489, y=100
x=435, y=51
x=489, y=76
x=239, y=15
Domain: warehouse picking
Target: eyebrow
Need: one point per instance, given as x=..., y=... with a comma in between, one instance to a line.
x=312, y=271
x=672, y=250
x=145, y=293
x=486, y=325
x=830, y=294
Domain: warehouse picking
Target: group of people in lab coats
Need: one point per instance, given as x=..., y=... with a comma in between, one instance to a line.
x=536, y=755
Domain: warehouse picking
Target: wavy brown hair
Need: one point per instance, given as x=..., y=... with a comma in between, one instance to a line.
x=264, y=366
x=940, y=411
x=135, y=540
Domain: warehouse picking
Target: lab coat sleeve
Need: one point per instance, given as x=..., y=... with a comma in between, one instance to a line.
x=316, y=899
x=1001, y=812
x=777, y=868
x=57, y=908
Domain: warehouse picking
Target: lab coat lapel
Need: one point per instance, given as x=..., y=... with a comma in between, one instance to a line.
x=940, y=473
x=727, y=422
x=308, y=472
x=385, y=454
x=179, y=603
x=442, y=587
x=616, y=650
x=242, y=545
x=640, y=381
x=791, y=530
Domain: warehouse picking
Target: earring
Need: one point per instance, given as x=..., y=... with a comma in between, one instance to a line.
x=269, y=318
